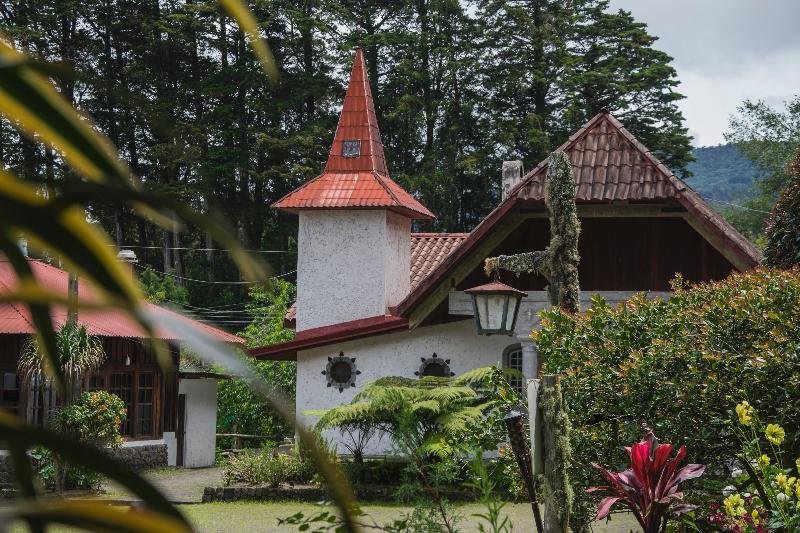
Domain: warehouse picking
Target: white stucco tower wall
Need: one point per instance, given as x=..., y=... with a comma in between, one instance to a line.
x=351, y=264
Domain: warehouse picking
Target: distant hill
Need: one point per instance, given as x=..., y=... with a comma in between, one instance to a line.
x=721, y=172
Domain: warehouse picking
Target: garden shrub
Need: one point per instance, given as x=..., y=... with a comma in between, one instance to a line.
x=94, y=418
x=676, y=366
x=262, y=467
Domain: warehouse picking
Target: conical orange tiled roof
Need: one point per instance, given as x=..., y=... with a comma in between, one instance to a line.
x=355, y=176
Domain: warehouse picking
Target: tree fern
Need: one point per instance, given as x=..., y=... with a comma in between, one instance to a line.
x=441, y=412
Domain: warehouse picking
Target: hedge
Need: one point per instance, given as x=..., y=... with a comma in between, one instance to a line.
x=678, y=367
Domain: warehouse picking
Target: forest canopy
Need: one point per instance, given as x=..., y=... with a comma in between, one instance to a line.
x=459, y=87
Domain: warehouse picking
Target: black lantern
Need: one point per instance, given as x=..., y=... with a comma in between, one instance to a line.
x=496, y=306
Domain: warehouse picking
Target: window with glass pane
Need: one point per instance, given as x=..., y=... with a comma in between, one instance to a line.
x=42, y=401
x=121, y=384
x=144, y=404
x=512, y=358
x=95, y=383
x=9, y=390
x=351, y=148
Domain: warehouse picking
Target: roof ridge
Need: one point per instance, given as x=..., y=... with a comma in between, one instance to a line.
x=441, y=235
x=386, y=187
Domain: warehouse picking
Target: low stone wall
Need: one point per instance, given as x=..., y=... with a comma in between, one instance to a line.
x=5, y=471
x=312, y=494
x=142, y=457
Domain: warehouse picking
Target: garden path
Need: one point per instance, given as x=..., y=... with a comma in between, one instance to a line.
x=179, y=485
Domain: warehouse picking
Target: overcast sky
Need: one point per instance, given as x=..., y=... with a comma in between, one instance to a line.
x=725, y=52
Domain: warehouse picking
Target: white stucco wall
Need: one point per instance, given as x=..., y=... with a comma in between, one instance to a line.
x=172, y=447
x=397, y=258
x=395, y=354
x=201, y=421
x=351, y=264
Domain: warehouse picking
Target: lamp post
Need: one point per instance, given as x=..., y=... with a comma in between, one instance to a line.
x=496, y=306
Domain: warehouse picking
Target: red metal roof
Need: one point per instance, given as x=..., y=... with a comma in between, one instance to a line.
x=355, y=182
x=15, y=318
x=311, y=338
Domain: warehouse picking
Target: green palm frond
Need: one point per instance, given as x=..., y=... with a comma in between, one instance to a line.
x=77, y=354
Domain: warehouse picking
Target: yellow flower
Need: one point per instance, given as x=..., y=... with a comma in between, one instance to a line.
x=734, y=506
x=797, y=492
x=775, y=434
x=781, y=480
x=745, y=413
x=791, y=481
x=763, y=461
x=797, y=464
x=754, y=514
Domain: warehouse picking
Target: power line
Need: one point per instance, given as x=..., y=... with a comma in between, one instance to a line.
x=142, y=247
x=738, y=206
x=218, y=282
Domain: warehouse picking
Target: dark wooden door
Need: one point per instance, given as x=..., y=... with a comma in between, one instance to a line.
x=180, y=430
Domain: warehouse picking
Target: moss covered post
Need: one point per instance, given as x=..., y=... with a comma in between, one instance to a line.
x=558, y=263
x=557, y=456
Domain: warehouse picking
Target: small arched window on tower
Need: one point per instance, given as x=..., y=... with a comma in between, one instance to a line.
x=512, y=359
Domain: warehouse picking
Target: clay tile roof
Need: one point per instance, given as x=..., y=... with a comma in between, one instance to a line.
x=362, y=180
x=15, y=318
x=608, y=164
x=428, y=250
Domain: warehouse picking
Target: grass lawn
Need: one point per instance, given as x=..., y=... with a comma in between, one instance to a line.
x=243, y=517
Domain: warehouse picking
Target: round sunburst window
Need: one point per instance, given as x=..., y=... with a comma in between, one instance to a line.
x=434, y=366
x=341, y=372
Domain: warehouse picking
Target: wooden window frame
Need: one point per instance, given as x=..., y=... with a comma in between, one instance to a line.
x=157, y=398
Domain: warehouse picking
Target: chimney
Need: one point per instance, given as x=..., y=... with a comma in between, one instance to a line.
x=128, y=257
x=512, y=175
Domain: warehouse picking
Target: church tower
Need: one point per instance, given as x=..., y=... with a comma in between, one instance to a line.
x=354, y=222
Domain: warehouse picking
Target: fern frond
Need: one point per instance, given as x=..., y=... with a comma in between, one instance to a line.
x=476, y=375
x=427, y=405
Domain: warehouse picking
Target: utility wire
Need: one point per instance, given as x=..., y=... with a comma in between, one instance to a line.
x=714, y=200
x=218, y=282
x=142, y=247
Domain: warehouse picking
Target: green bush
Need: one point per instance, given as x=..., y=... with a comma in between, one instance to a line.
x=94, y=418
x=261, y=467
x=677, y=367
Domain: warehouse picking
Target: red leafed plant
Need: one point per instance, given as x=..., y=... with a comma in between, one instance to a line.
x=649, y=488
